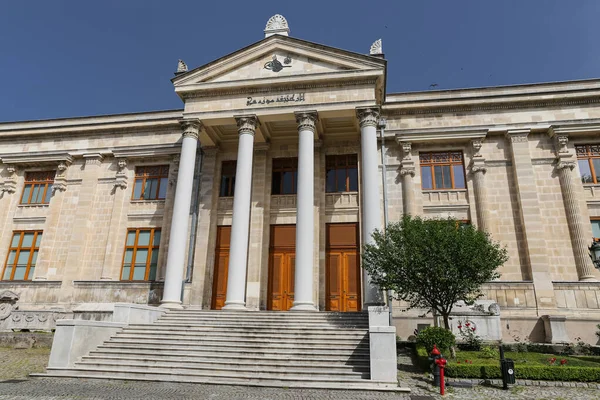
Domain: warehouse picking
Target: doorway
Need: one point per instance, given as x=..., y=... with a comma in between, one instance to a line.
x=282, y=263
x=342, y=268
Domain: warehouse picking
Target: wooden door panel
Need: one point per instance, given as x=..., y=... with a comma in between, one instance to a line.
x=351, y=281
x=221, y=267
x=333, y=282
x=276, y=277
x=282, y=262
x=290, y=270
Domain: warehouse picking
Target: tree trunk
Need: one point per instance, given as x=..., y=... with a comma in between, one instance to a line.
x=446, y=321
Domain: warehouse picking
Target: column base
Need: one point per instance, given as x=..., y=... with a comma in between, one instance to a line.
x=235, y=306
x=171, y=305
x=304, y=306
x=589, y=278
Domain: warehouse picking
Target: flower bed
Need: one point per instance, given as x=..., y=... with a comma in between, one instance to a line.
x=534, y=366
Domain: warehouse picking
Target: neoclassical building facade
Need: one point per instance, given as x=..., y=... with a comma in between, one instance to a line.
x=259, y=193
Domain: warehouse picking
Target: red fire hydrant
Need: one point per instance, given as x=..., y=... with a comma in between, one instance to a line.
x=441, y=363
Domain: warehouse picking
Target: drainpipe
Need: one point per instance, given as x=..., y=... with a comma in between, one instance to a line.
x=382, y=124
x=194, y=212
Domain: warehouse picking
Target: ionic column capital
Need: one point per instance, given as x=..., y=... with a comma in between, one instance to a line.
x=191, y=128
x=564, y=165
x=367, y=116
x=307, y=121
x=246, y=124
x=407, y=171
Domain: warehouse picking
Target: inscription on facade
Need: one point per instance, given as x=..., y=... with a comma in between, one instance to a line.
x=286, y=98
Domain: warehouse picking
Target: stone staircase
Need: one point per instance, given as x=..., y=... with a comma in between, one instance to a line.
x=277, y=349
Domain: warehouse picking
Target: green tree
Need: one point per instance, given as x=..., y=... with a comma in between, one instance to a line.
x=433, y=263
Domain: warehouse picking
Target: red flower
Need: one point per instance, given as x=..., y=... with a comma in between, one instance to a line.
x=473, y=329
x=467, y=324
x=563, y=361
x=460, y=327
x=458, y=362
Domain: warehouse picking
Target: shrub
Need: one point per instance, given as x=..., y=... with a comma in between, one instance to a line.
x=490, y=352
x=548, y=373
x=598, y=331
x=441, y=337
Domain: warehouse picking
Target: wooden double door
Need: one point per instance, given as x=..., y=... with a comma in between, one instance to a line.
x=282, y=267
x=342, y=268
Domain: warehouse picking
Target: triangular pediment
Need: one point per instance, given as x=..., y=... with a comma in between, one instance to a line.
x=278, y=57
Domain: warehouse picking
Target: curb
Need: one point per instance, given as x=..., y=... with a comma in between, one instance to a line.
x=527, y=382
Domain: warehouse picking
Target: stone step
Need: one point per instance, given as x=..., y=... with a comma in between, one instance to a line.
x=234, y=363
x=241, y=379
x=243, y=333
x=215, y=369
x=217, y=343
x=255, y=325
x=275, y=314
x=237, y=350
x=252, y=357
x=337, y=322
x=261, y=340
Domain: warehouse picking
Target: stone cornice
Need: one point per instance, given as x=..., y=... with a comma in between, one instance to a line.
x=82, y=125
x=437, y=134
x=146, y=150
x=38, y=158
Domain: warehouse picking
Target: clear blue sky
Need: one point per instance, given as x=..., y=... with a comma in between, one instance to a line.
x=73, y=58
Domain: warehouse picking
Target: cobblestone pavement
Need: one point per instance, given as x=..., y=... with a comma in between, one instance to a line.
x=16, y=364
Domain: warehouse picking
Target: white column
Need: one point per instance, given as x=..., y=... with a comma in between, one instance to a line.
x=305, y=218
x=240, y=225
x=176, y=256
x=371, y=212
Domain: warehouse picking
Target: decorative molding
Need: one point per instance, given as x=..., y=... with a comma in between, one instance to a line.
x=518, y=135
x=406, y=150
x=307, y=121
x=407, y=171
x=277, y=25
x=121, y=176
x=274, y=89
x=376, y=48
x=478, y=169
x=9, y=185
x=477, y=144
x=246, y=124
x=560, y=143
x=36, y=159
x=565, y=164
x=36, y=219
x=93, y=158
x=437, y=134
x=147, y=151
x=498, y=163
x=60, y=179
x=368, y=116
x=181, y=67
x=191, y=128
x=543, y=161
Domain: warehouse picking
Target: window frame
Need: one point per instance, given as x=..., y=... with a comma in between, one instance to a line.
x=593, y=219
x=32, y=182
x=589, y=156
x=32, y=249
x=231, y=167
x=140, y=175
x=279, y=166
x=150, y=247
x=449, y=163
x=350, y=161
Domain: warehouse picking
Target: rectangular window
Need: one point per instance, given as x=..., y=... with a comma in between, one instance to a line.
x=22, y=256
x=596, y=229
x=38, y=187
x=140, y=259
x=588, y=159
x=227, y=178
x=444, y=170
x=285, y=176
x=151, y=182
x=341, y=173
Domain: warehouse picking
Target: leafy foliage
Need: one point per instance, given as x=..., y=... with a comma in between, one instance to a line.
x=442, y=338
x=433, y=263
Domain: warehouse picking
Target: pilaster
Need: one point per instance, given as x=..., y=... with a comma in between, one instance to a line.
x=407, y=174
x=478, y=170
x=531, y=219
x=565, y=162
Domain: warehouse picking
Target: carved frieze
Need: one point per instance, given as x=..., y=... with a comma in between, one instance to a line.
x=10, y=182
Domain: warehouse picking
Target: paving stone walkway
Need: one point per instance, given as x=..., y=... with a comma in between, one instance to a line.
x=16, y=364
